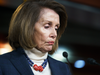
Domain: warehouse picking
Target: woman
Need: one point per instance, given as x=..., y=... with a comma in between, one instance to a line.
x=35, y=28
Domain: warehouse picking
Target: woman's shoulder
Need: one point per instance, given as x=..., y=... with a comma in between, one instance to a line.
x=15, y=52
x=5, y=56
x=63, y=67
x=56, y=61
x=5, y=59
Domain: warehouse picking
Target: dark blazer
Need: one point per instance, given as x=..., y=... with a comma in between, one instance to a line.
x=15, y=63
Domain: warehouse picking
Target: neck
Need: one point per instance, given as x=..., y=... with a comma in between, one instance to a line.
x=35, y=54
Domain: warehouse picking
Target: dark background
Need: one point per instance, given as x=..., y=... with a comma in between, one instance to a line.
x=82, y=33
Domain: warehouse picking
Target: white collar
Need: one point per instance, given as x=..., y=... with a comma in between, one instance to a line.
x=35, y=54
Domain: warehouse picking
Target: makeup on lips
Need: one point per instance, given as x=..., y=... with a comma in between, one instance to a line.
x=51, y=42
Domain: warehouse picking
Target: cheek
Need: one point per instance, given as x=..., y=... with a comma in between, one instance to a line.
x=41, y=35
x=40, y=38
x=44, y=34
x=44, y=37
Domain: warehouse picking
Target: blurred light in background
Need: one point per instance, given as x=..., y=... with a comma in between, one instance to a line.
x=3, y=2
x=4, y=48
x=24, y=0
x=79, y=64
x=58, y=55
x=10, y=3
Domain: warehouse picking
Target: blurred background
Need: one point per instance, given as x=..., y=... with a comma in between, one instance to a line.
x=81, y=39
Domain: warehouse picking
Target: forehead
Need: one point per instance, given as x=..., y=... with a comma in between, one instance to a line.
x=48, y=14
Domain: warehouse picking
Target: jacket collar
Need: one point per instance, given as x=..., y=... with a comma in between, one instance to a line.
x=18, y=59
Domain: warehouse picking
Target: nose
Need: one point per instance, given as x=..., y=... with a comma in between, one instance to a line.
x=53, y=33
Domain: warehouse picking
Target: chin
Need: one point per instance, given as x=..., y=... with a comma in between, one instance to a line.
x=48, y=49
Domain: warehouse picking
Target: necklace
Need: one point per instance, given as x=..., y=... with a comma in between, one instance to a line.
x=35, y=66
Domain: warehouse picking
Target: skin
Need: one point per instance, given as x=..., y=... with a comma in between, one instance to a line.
x=45, y=30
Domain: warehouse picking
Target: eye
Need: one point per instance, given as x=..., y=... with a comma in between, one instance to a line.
x=47, y=26
x=56, y=27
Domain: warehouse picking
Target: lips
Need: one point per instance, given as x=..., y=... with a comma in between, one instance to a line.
x=51, y=42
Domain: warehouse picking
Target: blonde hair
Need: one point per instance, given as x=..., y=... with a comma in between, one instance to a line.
x=24, y=18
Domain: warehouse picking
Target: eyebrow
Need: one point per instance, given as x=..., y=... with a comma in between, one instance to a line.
x=49, y=21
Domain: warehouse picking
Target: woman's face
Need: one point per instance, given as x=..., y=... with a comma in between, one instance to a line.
x=45, y=30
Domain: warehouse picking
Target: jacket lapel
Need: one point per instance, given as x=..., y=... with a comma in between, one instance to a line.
x=18, y=59
x=54, y=66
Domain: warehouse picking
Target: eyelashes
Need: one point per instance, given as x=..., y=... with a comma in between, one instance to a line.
x=48, y=26
x=56, y=29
